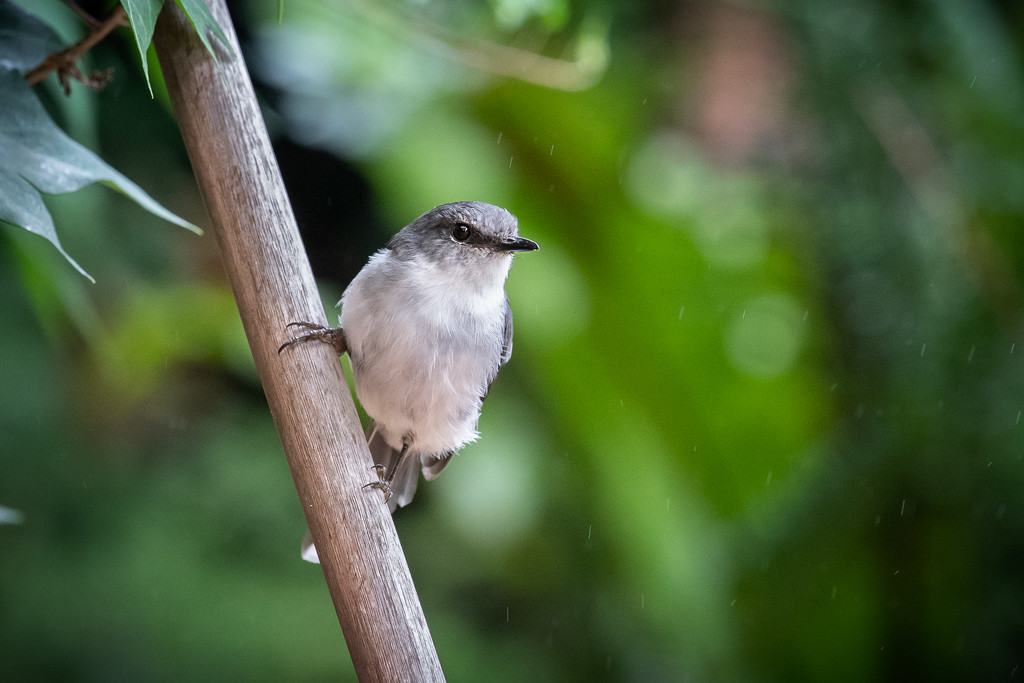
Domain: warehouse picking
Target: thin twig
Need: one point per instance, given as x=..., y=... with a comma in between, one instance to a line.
x=575, y=74
x=85, y=16
x=63, y=62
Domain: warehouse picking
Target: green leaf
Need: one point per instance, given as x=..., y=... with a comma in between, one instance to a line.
x=39, y=157
x=202, y=20
x=142, y=15
x=25, y=41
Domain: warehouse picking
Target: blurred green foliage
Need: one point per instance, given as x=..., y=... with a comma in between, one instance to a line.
x=763, y=419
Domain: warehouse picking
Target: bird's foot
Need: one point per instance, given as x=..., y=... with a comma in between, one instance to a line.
x=335, y=336
x=381, y=484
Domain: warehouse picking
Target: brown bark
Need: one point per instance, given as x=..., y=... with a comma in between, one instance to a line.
x=259, y=242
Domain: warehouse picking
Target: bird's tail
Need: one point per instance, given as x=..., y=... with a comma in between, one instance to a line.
x=405, y=480
x=308, y=549
x=403, y=485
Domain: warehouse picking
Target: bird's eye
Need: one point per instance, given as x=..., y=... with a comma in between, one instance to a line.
x=461, y=232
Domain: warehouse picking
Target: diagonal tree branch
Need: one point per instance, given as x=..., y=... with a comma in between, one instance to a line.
x=252, y=220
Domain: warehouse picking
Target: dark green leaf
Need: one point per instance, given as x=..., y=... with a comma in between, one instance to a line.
x=142, y=14
x=39, y=157
x=199, y=14
x=25, y=41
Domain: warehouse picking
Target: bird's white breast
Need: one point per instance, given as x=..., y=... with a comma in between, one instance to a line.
x=423, y=346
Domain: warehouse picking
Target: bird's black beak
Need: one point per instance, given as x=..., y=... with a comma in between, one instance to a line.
x=517, y=244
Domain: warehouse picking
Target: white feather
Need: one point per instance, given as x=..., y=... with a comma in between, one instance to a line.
x=423, y=377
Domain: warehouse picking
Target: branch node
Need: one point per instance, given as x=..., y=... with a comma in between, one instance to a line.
x=63, y=62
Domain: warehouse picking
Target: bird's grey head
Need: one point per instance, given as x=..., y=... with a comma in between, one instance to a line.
x=463, y=233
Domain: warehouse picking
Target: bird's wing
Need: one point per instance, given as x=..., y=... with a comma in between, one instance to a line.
x=506, y=342
x=506, y=348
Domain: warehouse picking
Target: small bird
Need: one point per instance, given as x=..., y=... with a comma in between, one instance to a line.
x=427, y=325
